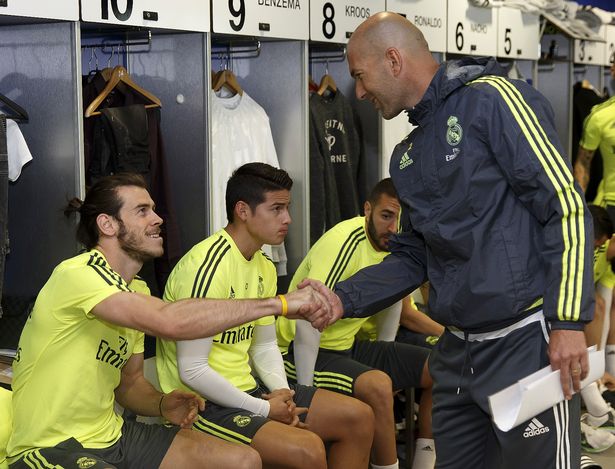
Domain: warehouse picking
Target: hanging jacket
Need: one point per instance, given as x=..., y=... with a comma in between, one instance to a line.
x=129, y=134
x=495, y=221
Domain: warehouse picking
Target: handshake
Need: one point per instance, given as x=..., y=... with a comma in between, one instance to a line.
x=314, y=302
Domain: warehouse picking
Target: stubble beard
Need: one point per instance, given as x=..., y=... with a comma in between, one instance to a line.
x=128, y=244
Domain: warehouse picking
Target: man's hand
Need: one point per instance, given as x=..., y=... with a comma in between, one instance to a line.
x=335, y=308
x=290, y=415
x=309, y=304
x=281, y=405
x=568, y=353
x=609, y=381
x=181, y=408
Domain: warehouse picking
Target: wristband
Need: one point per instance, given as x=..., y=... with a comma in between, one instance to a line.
x=160, y=404
x=284, y=305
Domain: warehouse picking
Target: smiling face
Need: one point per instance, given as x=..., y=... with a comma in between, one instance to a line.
x=372, y=82
x=268, y=222
x=381, y=220
x=139, y=225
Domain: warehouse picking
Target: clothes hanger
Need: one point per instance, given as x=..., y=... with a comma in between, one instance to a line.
x=120, y=75
x=327, y=83
x=18, y=114
x=227, y=79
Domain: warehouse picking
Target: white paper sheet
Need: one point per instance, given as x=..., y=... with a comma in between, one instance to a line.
x=536, y=393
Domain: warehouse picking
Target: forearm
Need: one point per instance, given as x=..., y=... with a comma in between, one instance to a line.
x=378, y=286
x=196, y=318
x=388, y=322
x=306, y=344
x=195, y=372
x=190, y=318
x=139, y=396
x=582, y=167
x=267, y=359
x=419, y=322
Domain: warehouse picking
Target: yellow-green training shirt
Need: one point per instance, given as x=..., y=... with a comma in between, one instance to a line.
x=338, y=254
x=602, y=267
x=599, y=132
x=215, y=268
x=69, y=362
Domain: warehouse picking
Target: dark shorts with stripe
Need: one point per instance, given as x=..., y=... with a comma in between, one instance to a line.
x=239, y=425
x=464, y=432
x=141, y=446
x=337, y=370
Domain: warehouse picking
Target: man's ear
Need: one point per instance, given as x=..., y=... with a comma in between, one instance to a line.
x=394, y=60
x=242, y=210
x=107, y=225
x=367, y=208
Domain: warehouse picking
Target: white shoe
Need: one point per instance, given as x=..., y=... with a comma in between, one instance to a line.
x=603, y=422
x=595, y=440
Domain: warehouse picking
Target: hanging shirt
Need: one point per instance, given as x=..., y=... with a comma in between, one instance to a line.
x=240, y=134
x=335, y=161
x=18, y=151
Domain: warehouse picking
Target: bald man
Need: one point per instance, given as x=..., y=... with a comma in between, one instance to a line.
x=500, y=229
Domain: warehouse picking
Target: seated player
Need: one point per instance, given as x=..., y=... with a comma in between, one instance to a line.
x=369, y=371
x=600, y=416
x=263, y=412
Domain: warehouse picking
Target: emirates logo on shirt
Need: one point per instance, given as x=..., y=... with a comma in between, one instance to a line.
x=107, y=354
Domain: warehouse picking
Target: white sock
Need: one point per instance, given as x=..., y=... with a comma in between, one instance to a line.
x=395, y=465
x=610, y=357
x=424, y=454
x=595, y=403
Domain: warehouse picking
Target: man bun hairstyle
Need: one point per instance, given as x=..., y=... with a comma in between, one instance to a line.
x=102, y=197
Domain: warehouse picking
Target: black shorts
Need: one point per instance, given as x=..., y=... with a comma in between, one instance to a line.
x=140, y=446
x=338, y=370
x=240, y=426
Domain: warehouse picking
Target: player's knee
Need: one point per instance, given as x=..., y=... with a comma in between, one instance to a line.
x=309, y=452
x=375, y=387
x=243, y=457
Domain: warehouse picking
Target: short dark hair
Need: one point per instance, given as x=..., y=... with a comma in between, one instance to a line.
x=102, y=197
x=383, y=187
x=603, y=226
x=250, y=182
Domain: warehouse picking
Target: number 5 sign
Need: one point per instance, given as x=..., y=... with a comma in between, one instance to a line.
x=518, y=34
x=187, y=15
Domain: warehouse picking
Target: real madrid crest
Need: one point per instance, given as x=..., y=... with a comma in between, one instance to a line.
x=85, y=463
x=261, y=287
x=241, y=420
x=454, y=132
